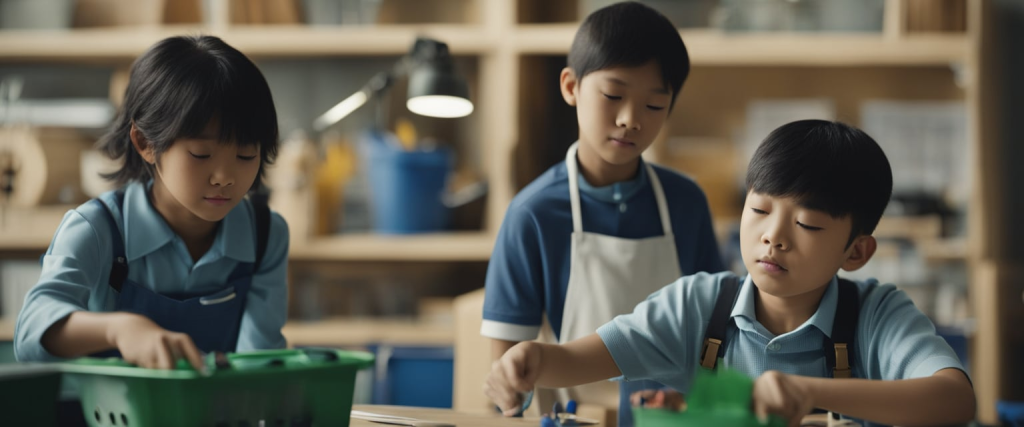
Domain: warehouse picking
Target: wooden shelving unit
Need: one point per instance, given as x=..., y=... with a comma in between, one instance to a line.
x=520, y=117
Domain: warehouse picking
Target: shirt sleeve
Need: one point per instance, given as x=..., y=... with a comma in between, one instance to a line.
x=901, y=342
x=514, y=288
x=657, y=340
x=72, y=268
x=266, y=307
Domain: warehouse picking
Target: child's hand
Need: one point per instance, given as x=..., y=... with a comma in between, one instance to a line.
x=780, y=394
x=146, y=344
x=515, y=373
x=665, y=399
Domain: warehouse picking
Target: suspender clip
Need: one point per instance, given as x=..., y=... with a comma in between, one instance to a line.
x=709, y=355
x=842, y=368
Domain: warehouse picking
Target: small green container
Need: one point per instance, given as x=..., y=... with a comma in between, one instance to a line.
x=308, y=387
x=719, y=399
x=28, y=394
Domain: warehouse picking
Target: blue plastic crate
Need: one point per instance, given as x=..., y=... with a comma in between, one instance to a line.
x=413, y=376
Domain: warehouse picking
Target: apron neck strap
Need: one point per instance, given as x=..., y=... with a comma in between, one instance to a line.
x=572, y=168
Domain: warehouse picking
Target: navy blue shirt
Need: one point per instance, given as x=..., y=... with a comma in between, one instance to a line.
x=528, y=273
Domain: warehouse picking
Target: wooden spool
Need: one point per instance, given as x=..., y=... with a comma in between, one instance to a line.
x=45, y=162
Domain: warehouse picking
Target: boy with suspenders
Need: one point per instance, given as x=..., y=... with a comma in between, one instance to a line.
x=816, y=191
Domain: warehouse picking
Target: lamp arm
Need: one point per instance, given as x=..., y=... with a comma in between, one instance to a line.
x=424, y=50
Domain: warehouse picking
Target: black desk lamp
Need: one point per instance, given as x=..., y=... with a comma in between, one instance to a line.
x=435, y=90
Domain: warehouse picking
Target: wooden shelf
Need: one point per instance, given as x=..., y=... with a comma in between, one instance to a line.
x=472, y=246
x=125, y=43
x=344, y=332
x=917, y=228
x=7, y=328
x=30, y=229
x=709, y=47
x=706, y=47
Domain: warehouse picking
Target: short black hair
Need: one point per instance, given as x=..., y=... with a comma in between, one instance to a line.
x=630, y=34
x=176, y=87
x=827, y=166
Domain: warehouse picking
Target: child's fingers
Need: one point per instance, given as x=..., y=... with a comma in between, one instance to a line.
x=501, y=394
x=514, y=369
x=674, y=400
x=637, y=396
x=192, y=354
x=164, y=358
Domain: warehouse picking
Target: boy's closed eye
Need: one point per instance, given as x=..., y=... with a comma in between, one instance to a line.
x=619, y=98
x=809, y=227
x=199, y=156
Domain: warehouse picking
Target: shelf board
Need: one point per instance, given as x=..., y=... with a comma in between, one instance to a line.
x=469, y=246
x=706, y=47
x=345, y=332
x=126, y=43
x=7, y=328
x=711, y=47
x=30, y=228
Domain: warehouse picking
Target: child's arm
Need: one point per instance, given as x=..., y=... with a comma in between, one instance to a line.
x=944, y=398
x=140, y=340
x=530, y=364
x=55, y=321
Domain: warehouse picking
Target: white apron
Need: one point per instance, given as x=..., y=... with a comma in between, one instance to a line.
x=609, y=276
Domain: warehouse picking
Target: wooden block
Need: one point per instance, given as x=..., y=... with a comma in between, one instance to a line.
x=182, y=12
x=107, y=13
x=472, y=355
x=284, y=12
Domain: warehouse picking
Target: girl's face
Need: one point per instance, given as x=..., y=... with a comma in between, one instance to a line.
x=205, y=177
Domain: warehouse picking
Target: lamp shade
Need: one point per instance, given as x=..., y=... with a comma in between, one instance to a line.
x=436, y=91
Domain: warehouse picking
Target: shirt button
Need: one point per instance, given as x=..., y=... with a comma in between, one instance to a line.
x=617, y=196
x=622, y=207
x=774, y=346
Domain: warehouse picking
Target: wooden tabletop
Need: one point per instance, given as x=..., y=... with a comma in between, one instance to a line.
x=460, y=419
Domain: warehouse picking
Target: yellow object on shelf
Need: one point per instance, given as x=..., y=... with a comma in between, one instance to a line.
x=405, y=131
x=338, y=166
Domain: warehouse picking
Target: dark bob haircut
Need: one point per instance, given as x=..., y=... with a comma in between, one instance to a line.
x=176, y=88
x=827, y=166
x=630, y=34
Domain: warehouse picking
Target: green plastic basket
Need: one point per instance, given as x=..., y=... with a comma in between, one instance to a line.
x=28, y=394
x=719, y=399
x=308, y=387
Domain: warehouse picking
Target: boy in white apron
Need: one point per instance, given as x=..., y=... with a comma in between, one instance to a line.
x=593, y=236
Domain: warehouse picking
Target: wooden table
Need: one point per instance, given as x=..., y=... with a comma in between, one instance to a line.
x=460, y=419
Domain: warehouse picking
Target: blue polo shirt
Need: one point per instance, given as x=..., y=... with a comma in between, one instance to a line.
x=528, y=273
x=76, y=269
x=664, y=335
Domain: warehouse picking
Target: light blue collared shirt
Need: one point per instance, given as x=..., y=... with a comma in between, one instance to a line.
x=663, y=337
x=76, y=269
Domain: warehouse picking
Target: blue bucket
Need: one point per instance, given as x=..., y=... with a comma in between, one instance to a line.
x=407, y=187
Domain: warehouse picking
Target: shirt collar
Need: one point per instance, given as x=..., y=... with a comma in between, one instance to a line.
x=822, y=319
x=616, y=192
x=146, y=230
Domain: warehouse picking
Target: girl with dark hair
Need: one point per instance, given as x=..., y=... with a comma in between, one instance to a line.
x=179, y=261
